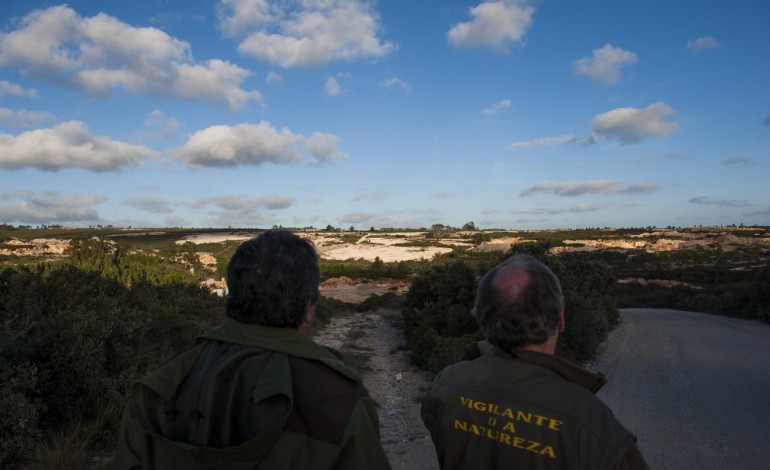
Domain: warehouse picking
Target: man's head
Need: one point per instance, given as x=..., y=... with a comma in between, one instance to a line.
x=519, y=303
x=272, y=280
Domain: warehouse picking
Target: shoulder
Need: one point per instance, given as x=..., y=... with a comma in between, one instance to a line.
x=324, y=400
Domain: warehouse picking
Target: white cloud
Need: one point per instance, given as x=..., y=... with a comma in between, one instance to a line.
x=100, y=54
x=324, y=148
x=605, y=65
x=702, y=44
x=254, y=144
x=68, y=145
x=542, y=142
x=495, y=24
x=295, y=33
x=332, y=87
x=602, y=187
x=21, y=118
x=12, y=89
x=239, y=16
x=148, y=204
x=396, y=82
x=497, y=107
x=49, y=207
x=241, y=211
x=707, y=201
x=631, y=125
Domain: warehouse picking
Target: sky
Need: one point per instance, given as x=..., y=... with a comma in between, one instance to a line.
x=510, y=114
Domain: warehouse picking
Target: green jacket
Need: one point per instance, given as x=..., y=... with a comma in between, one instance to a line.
x=251, y=397
x=532, y=410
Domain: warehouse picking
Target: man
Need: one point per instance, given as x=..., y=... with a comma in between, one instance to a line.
x=517, y=405
x=256, y=392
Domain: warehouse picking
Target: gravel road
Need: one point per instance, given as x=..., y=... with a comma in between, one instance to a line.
x=694, y=388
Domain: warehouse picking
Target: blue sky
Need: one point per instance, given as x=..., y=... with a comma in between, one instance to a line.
x=392, y=113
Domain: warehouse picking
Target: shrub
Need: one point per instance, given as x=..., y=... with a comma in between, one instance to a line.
x=436, y=313
x=72, y=341
x=388, y=300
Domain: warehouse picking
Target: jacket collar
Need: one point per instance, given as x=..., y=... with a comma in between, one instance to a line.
x=283, y=340
x=570, y=371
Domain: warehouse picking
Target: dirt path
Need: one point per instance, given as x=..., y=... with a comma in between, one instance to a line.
x=376, y=347
x=694, y=388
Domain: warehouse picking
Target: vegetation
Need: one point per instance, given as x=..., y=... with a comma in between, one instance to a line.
x=438, y=323
x=76, y=330
x=72, y=341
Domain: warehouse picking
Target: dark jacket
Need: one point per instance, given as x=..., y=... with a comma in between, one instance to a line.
x=246, y=397
x=532, y=410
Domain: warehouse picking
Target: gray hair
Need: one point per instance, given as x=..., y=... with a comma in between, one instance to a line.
x=518, y=302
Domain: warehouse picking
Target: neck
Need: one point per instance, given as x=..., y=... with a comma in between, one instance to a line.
x=549, y=347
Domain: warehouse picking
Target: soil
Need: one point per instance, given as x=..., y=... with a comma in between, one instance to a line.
x=374, y=344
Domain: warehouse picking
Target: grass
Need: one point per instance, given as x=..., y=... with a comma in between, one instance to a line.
x=65, y=449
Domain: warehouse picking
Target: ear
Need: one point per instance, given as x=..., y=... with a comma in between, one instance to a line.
x=307, y=318
x=562, y=323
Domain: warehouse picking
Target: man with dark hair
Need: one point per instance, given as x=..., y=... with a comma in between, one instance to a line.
x=256, y=393
x=515, y=404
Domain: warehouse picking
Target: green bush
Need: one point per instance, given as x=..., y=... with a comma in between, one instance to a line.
x=436, y=313
x=388, y=300
x=438, y=322
x=72, y=342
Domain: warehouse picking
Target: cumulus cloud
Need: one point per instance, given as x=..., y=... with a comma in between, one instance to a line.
x=497, y=107
x=239, y=210
x=702, y=44
x=631, y=125
x=542, y=142
x=68, y=145
x=147, y=204
x=707, y=201
x=295, y=33
x=332, y=87
x=602, y=187
x=396, y=82
x=494, y=24
x=100, y=54
x=605, y=65
x=562, y=210
x=22, y=118
x=49, y=207
x=324, y=148
x=11, y=89
x=738, y=162
x=254, y=144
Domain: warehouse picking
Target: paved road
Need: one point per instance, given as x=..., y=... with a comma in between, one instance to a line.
x=694, y=388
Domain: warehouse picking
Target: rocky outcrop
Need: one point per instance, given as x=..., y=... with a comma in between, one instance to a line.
x=36, y=247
